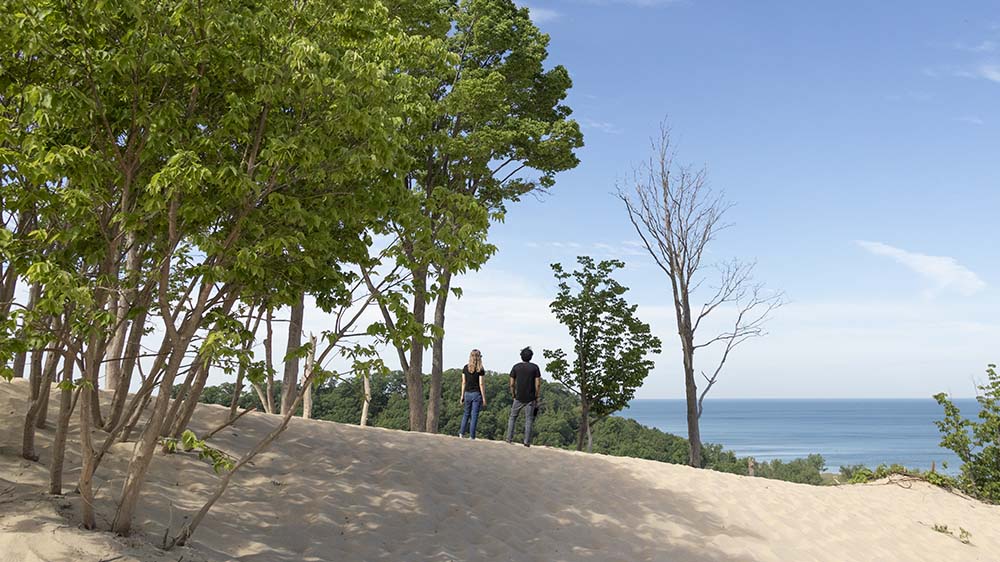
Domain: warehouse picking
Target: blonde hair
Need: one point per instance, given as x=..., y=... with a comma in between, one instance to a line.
x=475, y=361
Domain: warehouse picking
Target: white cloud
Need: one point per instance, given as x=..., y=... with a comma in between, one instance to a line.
x=945, y=272
x=981, y=47
x=541, y=15
x=599, y=249
x=971, y=119
x=602, y=126
x=989, y=72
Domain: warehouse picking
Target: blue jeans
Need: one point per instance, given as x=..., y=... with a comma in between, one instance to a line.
x=473, y=403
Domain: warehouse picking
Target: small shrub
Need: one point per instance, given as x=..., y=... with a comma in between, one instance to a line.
x=964, y=536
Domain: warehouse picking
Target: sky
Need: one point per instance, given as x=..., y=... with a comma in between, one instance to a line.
x=858, y=142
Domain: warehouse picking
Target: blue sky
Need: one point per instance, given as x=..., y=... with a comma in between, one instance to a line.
x=859, y=143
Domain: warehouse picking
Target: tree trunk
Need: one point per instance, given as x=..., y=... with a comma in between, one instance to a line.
x=122, y=307
x=269, y=362
x=307, y=394
x=142, y=454
x=290, y=381
x=691, y=396
x=95, y=404
x=234, y=403
x=415, y=376
x=183, y=407
x=437, y=355
x=20, y=359
x=178, y=399
x=584, y=422
x=36, y=382
x=51, y=364
x=85, y=484
x=368, y=398
x=62, y=426
x=128, y=364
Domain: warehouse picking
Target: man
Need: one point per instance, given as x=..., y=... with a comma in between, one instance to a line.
x=525, y=387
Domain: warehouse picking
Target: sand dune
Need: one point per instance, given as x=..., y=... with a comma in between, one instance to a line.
x=328, y=491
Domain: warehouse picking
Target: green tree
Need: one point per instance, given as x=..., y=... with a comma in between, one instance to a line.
x=497, y=130
x=976, y=442
x=611, y=345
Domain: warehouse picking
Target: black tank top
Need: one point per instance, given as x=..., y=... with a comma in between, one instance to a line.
x=471, y=380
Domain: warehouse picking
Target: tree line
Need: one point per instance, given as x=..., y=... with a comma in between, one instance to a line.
x=558, y=424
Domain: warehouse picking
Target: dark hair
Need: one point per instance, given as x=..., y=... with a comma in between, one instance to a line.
x=527, y=354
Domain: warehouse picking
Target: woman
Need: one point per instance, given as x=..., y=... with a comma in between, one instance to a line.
x=473, y=393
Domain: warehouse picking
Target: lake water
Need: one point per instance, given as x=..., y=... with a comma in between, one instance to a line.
x=844, y=431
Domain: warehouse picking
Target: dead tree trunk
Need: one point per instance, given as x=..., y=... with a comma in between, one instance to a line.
x=368, y=398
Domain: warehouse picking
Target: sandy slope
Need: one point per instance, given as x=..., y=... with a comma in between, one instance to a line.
x=336, y=492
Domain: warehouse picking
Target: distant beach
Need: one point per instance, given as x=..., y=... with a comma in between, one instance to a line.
x=844, y=431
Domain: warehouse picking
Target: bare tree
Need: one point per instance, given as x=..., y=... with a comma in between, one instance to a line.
x=677, y=216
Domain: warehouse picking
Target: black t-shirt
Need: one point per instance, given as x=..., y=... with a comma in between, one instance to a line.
x=472, y=380
x=524, y=375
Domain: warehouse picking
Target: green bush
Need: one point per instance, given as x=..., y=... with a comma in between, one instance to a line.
x=804, y=471
x=976, y=442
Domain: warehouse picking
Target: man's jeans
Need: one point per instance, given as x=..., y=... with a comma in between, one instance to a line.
x=529, y=419
x=472, y=403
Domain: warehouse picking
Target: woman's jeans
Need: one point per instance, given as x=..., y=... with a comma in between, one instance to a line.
x=473, y=402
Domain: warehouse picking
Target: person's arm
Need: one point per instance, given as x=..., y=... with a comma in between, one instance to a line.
x=482, y=387
x=511, y=381
x=461, y=391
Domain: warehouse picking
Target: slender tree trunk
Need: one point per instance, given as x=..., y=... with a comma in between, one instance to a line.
x=307, y=392
x=85, y=484
x=36, y=381
x=415, y=376
x=62, y=426
x=51, y=364
x=20, y=359
x=135, y=415
x=121, y=307
x=691, y=396
x=437, y=355
x=234, y=403
x=128, y=365
x=269, y=361
x=8, y=288
x=183, y=393
x=368, y=399
x=95, y=405
x=584, y=422
x=290, y=380
x=142, y=455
